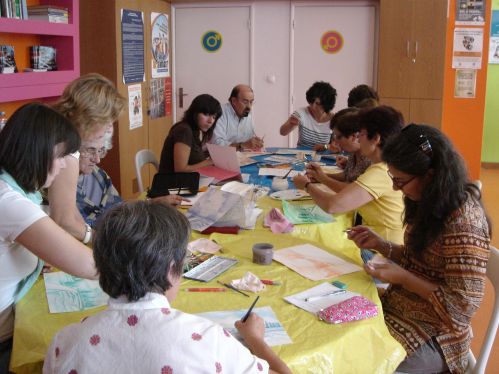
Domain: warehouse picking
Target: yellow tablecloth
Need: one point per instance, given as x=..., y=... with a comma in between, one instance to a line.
x=357, y=347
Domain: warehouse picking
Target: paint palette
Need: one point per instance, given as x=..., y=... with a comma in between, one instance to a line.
x=210, y=269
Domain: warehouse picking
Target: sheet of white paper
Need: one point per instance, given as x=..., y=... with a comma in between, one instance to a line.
x=205, y=181
x=278, y=172
x=203, y=245
x=67, y=293
x=315, y=306
x=292, y=151
x=275, y=334
x=281, y=159
x=314, y=263
x=237, y=187
x=224, y=157
x=211, y=207
x=192, y=199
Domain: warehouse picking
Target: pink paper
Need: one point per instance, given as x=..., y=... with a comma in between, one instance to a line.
x=217, y=173
x=277, y=222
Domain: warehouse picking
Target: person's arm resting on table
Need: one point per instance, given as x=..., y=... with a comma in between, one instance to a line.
x=335, y=182
x=48, y=241
x=62, y=199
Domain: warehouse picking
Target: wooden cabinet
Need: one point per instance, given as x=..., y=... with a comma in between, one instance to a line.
x=411, y=57
x=25, y=33
x=103, y=54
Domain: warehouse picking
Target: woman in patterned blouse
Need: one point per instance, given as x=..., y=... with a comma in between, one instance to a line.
x=438, y=275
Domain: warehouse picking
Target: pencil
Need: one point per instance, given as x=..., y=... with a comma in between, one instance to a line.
x=233, y=288
x=250, y=309
x=205, y=289
x=270, y=282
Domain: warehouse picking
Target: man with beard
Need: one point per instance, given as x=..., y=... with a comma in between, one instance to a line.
x=235, y=127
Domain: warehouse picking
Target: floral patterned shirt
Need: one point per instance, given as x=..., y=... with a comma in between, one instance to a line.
x=148, y=336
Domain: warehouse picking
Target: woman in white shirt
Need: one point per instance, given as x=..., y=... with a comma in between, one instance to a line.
x=139, y=250
x=33, y=146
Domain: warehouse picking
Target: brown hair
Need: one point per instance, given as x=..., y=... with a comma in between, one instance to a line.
x=90, y=102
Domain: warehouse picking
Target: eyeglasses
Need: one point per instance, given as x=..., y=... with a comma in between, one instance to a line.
x=92, y=152
x=399, y=183
x=422, y=141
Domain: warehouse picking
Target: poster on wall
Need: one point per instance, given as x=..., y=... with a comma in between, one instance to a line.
x=465, y=83
x=135, y=105
x=159, y=45
x=157, y=107
x=470, y=12
x=494, y=38
x=132, y=46
x=468, y=47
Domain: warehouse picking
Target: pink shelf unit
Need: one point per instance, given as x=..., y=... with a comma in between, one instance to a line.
x=64, y=37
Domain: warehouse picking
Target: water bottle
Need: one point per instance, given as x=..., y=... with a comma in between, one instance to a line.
x=3, y=120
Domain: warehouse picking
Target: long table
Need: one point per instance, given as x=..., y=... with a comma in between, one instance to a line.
x=356, y=347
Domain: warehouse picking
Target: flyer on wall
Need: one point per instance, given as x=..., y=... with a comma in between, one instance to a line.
x=470, y=12
x=160, y=61
x=494, y=38
x=468, y=48
x=465, y=84
x=135, y=105
x=132, y=46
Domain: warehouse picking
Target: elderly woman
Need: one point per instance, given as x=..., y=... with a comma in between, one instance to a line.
x=313, y=121
x=139, y=252
x=33, y=147
x=371, y=193
x=437, y=275
x=92, y=104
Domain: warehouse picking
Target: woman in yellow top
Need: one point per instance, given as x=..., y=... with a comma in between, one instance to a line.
x=371, y=194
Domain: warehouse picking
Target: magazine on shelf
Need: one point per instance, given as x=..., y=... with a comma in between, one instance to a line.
x=7, y=60
x=43, y=58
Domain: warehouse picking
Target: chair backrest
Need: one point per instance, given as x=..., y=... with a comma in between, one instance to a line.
x=488, y=342
x=144, y=156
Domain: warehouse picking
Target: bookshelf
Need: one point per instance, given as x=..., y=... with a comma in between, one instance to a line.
x=64, y=37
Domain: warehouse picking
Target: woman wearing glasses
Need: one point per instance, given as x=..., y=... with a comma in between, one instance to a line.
x=437, y=276
x=33, y=146
x=95, y=192
x=371, y=193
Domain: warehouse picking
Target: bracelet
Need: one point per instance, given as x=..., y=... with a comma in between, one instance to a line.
x=306, y=185
x=390, y=249
x=326, y=147
x=88, y=234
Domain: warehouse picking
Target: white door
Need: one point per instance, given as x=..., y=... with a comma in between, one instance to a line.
x=351, y=38
x=212, y=52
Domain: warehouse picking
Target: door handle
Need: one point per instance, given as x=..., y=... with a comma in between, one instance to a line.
x=416, y=45
x=181, y=95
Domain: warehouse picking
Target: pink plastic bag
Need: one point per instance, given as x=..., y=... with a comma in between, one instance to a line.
x=353, y=309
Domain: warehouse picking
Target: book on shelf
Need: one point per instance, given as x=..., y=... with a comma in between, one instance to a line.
x=13, y=9
x=43, y=58
x=7, y=60
x=50, y=13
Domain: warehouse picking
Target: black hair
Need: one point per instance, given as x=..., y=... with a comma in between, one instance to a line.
x=28, y=140
x=137, y=244
x=324, y=92
x=360, y=93
x=346, y=121
x=415, y=151
x=383, y=120
x=205, y=104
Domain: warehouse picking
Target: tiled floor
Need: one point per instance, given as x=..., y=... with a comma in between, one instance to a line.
x=490, y=181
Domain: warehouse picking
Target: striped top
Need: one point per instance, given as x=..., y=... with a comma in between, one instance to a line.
x=311, y=132
x=457, y=263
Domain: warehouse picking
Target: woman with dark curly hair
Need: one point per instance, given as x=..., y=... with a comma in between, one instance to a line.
x=437, y=276
x=184, y=149
x=313, y=120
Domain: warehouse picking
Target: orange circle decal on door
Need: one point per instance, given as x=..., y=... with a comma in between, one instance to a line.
x=331, y=41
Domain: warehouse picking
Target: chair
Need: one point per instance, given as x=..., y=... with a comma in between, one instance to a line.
x=477, y=366
x=144, y=156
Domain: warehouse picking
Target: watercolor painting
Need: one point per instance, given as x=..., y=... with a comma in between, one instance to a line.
x=275, y=334
x=66, y=293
